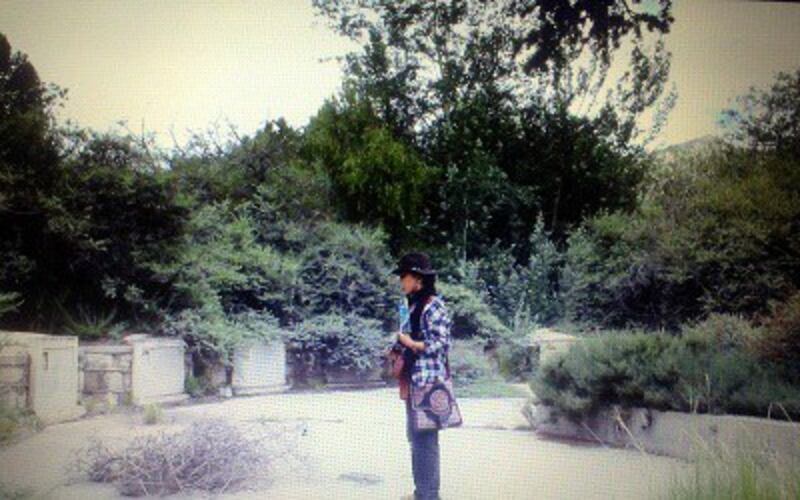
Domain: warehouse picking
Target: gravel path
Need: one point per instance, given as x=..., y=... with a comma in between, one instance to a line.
x=355, y=447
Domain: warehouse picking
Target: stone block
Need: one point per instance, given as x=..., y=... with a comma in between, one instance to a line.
x=114, y=381
x=94, y=382
x=97, y=361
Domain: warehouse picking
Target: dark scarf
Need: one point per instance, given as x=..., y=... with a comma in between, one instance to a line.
x=416, y=300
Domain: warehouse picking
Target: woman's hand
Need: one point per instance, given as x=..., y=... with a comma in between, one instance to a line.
x=407, y=341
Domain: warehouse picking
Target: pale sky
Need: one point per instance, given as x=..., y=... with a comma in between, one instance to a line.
x=184, y=64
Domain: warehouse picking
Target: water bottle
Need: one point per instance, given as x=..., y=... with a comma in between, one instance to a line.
x=405, y=317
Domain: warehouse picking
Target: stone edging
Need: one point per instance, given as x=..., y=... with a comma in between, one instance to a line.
x=671, y=433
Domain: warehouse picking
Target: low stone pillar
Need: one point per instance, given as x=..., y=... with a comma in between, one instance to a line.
x=259, y=368
x=52, y=375
x=157, y=369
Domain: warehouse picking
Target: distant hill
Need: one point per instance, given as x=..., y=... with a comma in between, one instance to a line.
x=689, y=147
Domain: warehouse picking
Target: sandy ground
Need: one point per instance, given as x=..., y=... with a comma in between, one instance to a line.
x=354, y=446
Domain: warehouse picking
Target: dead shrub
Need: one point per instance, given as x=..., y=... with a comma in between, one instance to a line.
x=211, y=456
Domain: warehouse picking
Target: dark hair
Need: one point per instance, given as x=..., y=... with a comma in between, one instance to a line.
x=429, y=284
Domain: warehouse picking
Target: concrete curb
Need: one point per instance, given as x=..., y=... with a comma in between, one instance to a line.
x=671, y=433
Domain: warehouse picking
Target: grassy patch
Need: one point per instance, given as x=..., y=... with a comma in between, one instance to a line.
x=489, y=388
x=740, y=473
x=153, y=414
x=15, y=422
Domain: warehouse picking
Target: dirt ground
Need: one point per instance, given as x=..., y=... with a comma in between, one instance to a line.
x=353, y=445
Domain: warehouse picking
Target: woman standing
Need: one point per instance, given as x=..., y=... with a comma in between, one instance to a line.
x=427, y=348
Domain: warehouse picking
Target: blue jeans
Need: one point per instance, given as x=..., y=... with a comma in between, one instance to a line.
x=424, y=459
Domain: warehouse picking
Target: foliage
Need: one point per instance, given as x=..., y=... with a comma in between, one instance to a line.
x=419, y=57
x=741, y=471
x=213, y=334
x=780, y=341
x=717, y=234
x=376, y=178
x=338, y=341
x=505, y=143
x=14, y=421
x=346, y=269
x=468, y=363
x=768, y=120
x=87, y=234
x=153, y=414
x=471, y=316
x=90, y=325
x=544, y=270
x=704, y=369
x=9, y=301
x=194, y=386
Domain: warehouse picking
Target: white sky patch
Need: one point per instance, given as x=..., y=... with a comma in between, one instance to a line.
x=187, y=64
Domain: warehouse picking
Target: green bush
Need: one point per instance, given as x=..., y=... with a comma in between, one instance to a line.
x=91, y=325
x=13, y=421
x=348, y=342
x=468, y=363
x=515, y=359
x=471, y=316
x=509, y=288
x=213, y=334
x=153, y=414
x=195, y=386
x=714, y=233
x=699, y=371
x=780, y=341
x=346, y=270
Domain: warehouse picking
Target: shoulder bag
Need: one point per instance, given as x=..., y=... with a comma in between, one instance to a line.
x=434, y=405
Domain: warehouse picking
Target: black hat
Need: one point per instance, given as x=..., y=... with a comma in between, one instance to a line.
x=415, y=263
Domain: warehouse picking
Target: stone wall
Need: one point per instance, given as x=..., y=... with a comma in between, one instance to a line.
x=671, y=433
x=52, y=377
x=158, y=371
x=14, y=380
x=259, y=368
x=105, y=375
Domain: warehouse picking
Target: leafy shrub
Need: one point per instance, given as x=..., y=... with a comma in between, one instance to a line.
x=509, y=288
x=725, y=332
x=194, y=386
x=468, y=363
x=780, y=342
x=91, y=325
x=696, y=371
x=714, y=234
x=543, y=275
x=342, y=341
x=15, y=420
x=471, y=316
x=515, y=358
x=213, y=334
x=9, y=302
x=222, y=266
x=153, y=414
x=345, y=270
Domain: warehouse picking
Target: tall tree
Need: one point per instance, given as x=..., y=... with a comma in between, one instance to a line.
x=768, y=119
x=511, y=102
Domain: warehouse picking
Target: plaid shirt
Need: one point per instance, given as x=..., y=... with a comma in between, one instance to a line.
x=435, y=324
